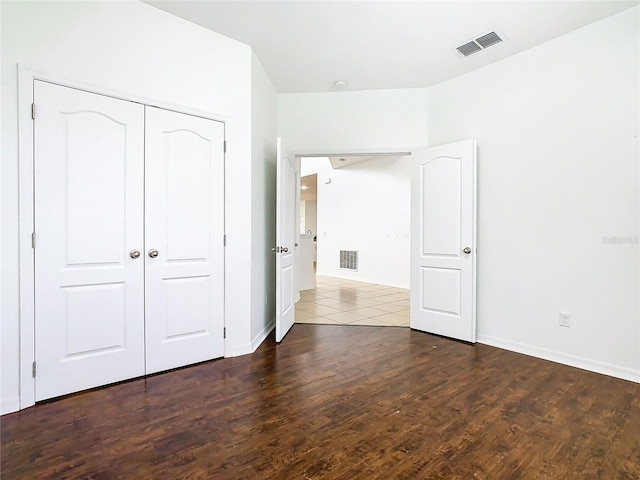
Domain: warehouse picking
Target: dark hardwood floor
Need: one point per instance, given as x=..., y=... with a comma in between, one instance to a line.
x=340, y=402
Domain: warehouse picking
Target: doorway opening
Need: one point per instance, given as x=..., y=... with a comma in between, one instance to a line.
x=354, y=254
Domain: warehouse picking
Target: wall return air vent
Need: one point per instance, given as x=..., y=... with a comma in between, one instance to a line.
x=349, y=260
x=479, y=44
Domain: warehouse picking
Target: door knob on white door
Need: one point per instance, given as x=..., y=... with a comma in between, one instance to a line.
x=467, y=250
x=284, y=249
x=153, y=253
x=134, y=254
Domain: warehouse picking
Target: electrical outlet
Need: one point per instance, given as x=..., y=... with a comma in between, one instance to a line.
x=565, y=319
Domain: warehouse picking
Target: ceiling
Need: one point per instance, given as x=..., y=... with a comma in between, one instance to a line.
x=306, y=46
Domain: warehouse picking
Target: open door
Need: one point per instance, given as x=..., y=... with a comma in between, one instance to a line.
x=443, y=240
x=286, y=291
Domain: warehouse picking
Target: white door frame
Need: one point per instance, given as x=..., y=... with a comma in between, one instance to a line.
x=26, y=77
x=298, y=164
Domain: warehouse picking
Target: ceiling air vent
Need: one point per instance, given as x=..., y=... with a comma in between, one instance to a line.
x=469, y=48
x=489, y=39
x=480, y=43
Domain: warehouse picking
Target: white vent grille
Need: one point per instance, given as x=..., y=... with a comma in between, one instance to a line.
x=349, y=260
x=489, y=39
x=469, y=48
x=479, y=44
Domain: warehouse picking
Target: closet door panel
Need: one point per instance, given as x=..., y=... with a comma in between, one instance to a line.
x=184, y=227
x=89, y=174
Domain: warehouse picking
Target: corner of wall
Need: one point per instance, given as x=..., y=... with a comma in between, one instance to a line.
x=263, y=166
x=263, y=334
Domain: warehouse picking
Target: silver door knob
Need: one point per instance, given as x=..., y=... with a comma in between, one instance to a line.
x=134, y=254
x=284, y=249
x=467, y=250
x=153, y=253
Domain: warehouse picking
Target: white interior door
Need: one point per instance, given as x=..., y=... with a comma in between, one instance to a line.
x=89, y=162
x=184, y=234
x=443, y=247
x=286, y=291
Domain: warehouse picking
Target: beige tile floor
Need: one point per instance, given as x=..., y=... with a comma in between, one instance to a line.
x=346, y=302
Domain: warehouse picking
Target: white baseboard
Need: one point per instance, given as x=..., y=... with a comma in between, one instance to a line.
x=262, y=335
x=247, y=348
x=564, y=358
x=239, y=350
x=363, y=279
x=9, y=405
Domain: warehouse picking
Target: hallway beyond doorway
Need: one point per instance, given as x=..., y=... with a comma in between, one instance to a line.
x=335, y=301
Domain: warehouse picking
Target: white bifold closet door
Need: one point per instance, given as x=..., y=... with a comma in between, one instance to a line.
x=184, y=218
x=107, y=308
x=89, y=216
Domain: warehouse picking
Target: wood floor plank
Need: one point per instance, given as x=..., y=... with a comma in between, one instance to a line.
x=339, y=402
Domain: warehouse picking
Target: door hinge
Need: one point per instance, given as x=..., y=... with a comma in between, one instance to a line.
x=225, y=146
x=33, y=370
x=224, y=240
x=33, y=111
x=33, y=240
x=224, y=332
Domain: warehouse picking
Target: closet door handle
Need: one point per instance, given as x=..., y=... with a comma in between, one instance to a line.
x=134, y=254
x=153, y=253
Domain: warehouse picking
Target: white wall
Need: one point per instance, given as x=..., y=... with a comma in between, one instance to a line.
x=353, y=122
x=365, y=207
x=557, y=129
x=136, y=50
x=263, y=202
